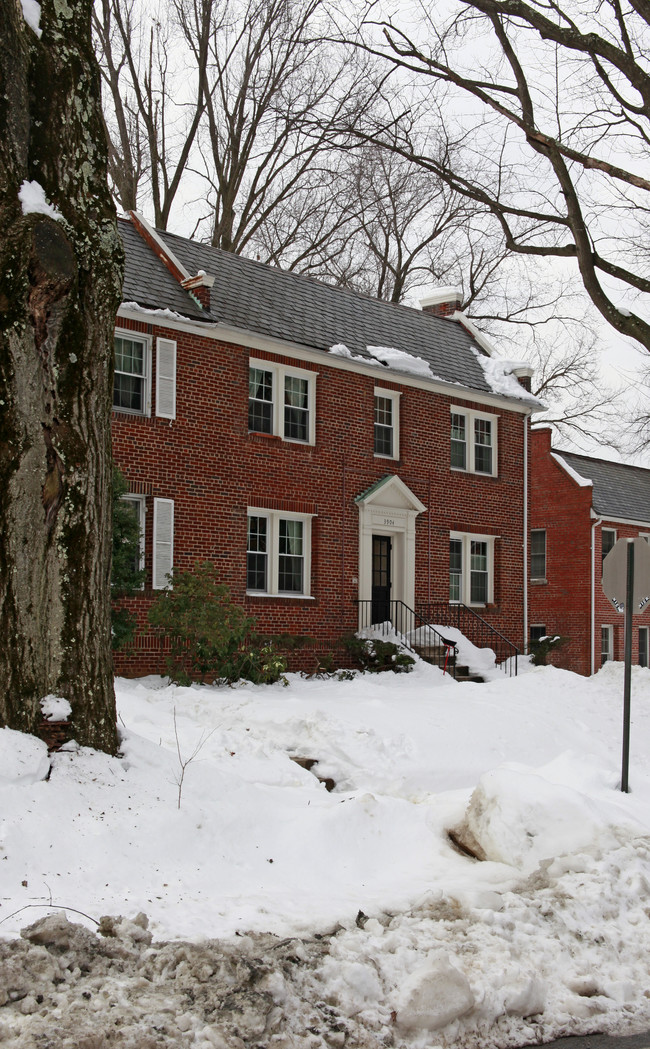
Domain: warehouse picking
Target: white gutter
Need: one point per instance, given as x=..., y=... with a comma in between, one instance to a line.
x=250, y=340
x=592, y=631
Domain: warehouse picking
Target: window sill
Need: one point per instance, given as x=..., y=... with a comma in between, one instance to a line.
x=279, y=597
x=130, y=413
x=282, y=440
x=391, y=458
x=471, y=473
x=539, y=582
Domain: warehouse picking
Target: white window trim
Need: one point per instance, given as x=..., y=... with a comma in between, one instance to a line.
x=159, y=572
x=273, y=518
x=279, y=371
x=603, y=556
x=394, y=397
x=141, y=502
x=470, y=416
x=539, y=578
x=647, y=643
x=146, y=340
x=466, y=538
x=610, y=642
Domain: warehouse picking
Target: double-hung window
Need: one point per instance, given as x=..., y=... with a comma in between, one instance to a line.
x=538, y=553
x=606, y=643
x=471, y=568
x=278, y=553
x=136, y=504
x=643, y=646
x=132, y=384
x=386, y=423
x=260, y=400
x=473, y=442
x=281, y=401
x=132, y=367
x=608, y=540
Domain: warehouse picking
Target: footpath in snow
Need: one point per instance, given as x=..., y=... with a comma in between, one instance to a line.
x=248, y=905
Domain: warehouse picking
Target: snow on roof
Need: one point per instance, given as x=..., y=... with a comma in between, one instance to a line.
x=499, y=374
x=584, y=482
x=401, y=361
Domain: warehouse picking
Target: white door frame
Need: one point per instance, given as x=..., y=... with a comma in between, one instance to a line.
x=390, y=508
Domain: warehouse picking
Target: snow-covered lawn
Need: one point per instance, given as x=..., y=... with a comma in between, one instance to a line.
x=549, y=934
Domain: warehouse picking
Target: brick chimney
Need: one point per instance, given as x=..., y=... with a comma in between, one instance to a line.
x=442, y=303
x=199, y=286
x=523, y=374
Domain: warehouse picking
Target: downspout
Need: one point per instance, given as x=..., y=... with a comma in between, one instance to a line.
x=592, y=630
x=525, y=543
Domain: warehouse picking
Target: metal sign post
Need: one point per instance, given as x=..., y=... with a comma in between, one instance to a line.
x=626, y=582
x=627, y=680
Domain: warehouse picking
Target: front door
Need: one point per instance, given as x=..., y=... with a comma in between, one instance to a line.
x=381, y=582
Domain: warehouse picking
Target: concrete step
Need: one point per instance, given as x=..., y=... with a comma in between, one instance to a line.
x=465, y=674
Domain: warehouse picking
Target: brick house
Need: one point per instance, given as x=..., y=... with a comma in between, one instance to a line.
x=579, y=507
x=321, y=447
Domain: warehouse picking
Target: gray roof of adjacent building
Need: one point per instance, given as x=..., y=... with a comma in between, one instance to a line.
x=253, y=297
x=619, y=491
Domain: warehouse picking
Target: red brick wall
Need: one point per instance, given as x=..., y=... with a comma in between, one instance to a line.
x=563, y=603
x=213, y=469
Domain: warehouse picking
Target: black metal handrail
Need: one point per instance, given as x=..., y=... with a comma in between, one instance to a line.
x=475, y=628
x=407, y=624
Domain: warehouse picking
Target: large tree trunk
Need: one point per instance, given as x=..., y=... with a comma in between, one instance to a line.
x=60, y=284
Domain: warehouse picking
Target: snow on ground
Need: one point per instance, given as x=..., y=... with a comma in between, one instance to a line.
x=388, y=933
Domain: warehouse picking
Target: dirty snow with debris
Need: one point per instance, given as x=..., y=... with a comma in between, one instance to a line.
x=262, y=909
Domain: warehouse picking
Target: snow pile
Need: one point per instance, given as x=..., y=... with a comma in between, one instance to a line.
x=499, y=376
x=33, y=200
x=522, y=817
x=387, y=356
x=55, y=708
x=479, y=660
x=401, y=361
x=24, y=759
x=341, y=350
x=305, y=916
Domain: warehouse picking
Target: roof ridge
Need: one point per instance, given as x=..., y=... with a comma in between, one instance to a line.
x=319, y=282
x=598, y=459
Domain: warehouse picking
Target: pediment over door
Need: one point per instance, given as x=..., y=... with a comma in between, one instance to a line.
x=390, y=492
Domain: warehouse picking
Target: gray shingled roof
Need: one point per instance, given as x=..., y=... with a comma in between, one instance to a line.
x=272, y=302
x=618, y=490
x=147, y=280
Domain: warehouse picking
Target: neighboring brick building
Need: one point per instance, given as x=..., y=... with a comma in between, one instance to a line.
x=319, y=446
x=579, y=507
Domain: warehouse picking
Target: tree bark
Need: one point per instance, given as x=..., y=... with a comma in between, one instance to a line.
x=60, y=286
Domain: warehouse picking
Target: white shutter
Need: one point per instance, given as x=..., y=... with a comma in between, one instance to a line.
x=166, y=378
x=163, y=541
